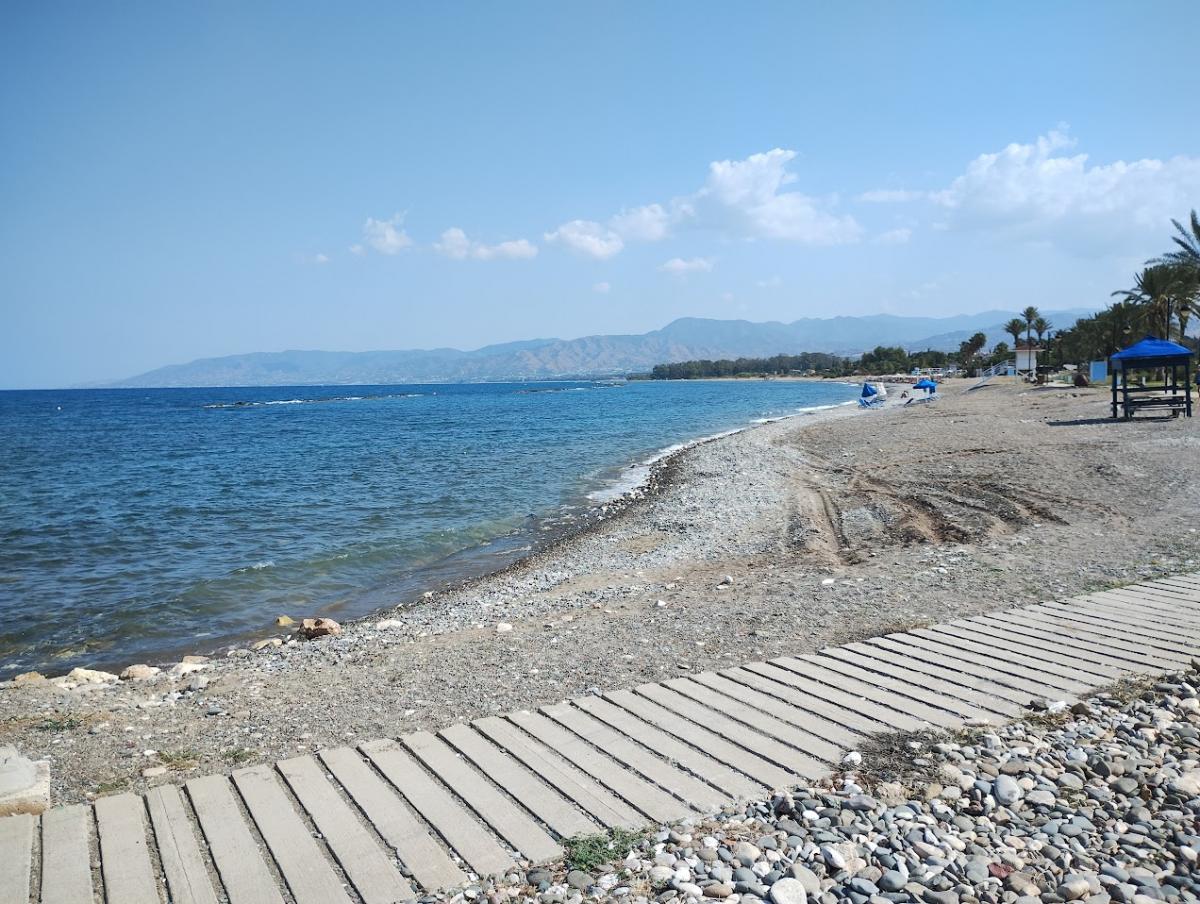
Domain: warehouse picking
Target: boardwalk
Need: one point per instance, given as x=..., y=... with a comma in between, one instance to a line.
x=391, y=820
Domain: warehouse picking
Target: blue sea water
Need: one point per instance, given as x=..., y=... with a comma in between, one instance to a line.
x=138, y=523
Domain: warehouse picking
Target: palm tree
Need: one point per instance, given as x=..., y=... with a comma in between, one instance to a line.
x=1188, y=244
x=1015, y=328
x=1030, y=314
x=1163, y=290
x=968, y=349
x=1186, y=261
x=1041, y=326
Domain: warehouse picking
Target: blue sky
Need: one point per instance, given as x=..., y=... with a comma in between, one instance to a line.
x=186, y=180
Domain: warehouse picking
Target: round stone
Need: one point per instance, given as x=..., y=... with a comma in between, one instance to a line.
x=789, y=891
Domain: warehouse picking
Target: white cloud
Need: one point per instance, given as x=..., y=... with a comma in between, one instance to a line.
x=644, y=224
x=602, y=288
x=455, y=244
x=744, y=197
x=386, y=236
x=1036, y=192
x=358, y=249
x=320, y=258
x=772, y=282
x=587, y=237
x=892, y=196
x=894, y=236
x=513, y=250
x=677, y=266
x=741, y=198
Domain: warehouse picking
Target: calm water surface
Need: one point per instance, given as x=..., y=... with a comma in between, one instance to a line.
x=134, y=523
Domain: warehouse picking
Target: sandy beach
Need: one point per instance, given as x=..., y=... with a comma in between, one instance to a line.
x=779, y=539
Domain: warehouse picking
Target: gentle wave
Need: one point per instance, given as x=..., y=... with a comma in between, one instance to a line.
x=638, y=474
x=321, y=401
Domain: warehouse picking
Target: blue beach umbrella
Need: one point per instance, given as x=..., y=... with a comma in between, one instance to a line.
x=925, y=383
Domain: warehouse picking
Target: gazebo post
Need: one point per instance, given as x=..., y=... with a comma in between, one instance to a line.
x=1114, y=392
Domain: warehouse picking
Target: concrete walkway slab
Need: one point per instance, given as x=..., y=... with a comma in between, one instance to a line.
x=398, y=819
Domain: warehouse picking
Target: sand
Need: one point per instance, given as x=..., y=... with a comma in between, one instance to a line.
x=777, y=540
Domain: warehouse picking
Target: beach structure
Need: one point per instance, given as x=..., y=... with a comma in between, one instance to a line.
x=393, y=819
x=1027, y=359
x=1152, y=353
x=871, y=396
x=930, y=387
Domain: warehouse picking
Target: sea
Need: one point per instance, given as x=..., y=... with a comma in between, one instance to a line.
x=137, y=524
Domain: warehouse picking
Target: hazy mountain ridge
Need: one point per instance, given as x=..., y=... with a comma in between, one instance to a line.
x=685, y=339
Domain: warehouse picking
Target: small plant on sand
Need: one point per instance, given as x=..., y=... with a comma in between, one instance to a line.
x=179, y=760
x=1045, y=720
x=863, y=635
x=59, y=724
x=238, y=755
x=1125, y=690
x=112, y=787
x=588, y=852
x=899, y=756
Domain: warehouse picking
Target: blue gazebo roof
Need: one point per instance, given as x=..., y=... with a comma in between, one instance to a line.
x=1151, y=352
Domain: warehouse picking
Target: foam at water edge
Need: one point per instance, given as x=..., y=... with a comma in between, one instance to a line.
x=637, y=474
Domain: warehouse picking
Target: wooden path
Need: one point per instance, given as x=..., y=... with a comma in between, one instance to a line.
x=392, y=820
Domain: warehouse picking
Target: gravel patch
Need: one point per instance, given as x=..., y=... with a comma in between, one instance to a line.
x=1101, y=806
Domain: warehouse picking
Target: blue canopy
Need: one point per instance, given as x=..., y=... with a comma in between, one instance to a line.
x=925, y=383
x=869, y=390
x=1151, y=352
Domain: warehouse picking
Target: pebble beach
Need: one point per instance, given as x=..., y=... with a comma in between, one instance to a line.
x=777, y=540
x=1097, y=803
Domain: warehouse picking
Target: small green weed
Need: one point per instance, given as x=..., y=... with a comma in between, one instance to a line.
x=238, y=755
x=588, y=852
x=179, y=760
x=59, y=724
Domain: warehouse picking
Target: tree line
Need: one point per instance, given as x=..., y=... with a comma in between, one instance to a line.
x=1164, y=297
x=776, y=366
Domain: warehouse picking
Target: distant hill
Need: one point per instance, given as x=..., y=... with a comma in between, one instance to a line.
x=686, y=339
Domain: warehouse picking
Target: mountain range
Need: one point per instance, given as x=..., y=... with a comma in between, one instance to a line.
x=685, y=339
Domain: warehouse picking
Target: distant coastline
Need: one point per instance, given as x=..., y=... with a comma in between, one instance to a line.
x=588, y=357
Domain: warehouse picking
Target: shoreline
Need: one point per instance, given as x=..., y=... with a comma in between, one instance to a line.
x=601, y=505
x=777, y=540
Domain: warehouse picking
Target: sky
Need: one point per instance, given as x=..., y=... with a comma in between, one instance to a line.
x=185, y=180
